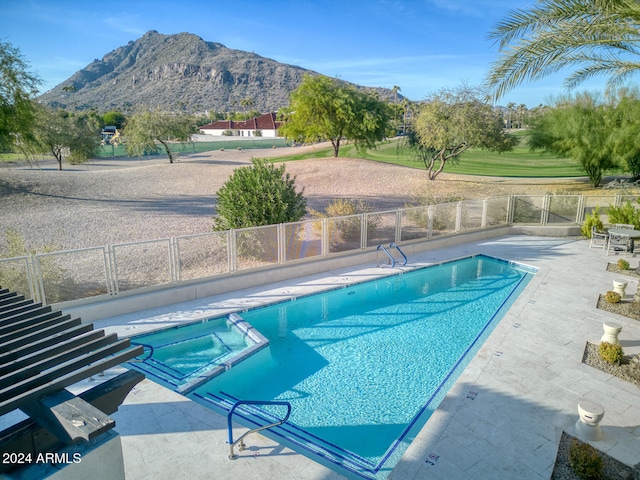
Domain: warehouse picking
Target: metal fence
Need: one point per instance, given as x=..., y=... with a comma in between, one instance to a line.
x=108, y=270
x=230, y=143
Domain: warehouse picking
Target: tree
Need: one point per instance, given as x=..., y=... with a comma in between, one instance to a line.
x=396, y=108
x=72, y=89
x=453, y=121
x=521, y=112
x=143, y=130
x=115, y=118
x=626, y=132
x=258, y=195
x=247, y=103
x=322, y=108
x=598, y=37
x=510, y=111
x=17, y=88
x=64, y=134
x=579, y=128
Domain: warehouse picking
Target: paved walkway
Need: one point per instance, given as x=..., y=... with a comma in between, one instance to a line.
x=502, y=420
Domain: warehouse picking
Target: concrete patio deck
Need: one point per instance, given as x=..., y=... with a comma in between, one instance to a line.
x=503, y=419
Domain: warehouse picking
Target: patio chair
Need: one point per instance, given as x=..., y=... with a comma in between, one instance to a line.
x=618, y=242
x=624, y=225
x=598, y=239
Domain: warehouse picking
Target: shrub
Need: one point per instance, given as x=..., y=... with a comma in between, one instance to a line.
x=611, y=353
x=348, y=228
x=612, y=297
x=258, y=195
x=623, y=264
x=585, y=460
x=625, y=213
x=592, y=220
x=15, y=277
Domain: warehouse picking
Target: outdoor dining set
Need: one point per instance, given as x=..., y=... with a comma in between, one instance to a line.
x=619, y=238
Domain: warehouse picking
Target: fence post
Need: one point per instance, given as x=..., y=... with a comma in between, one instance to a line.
x=114, y=270
x=430, y=221
x=458, y=226
x=233, y=252
x=325, y=237
x=485, y=211
x=281, y=241
x=174, y=260
x=580, y=210
x=398, y=226
x=510, y=210
x=108, y=277
x=32, y=278
x=40, y=291
x=546, y=202
x=363, y=230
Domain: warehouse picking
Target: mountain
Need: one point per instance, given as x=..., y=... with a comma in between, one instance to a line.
x=180, y=72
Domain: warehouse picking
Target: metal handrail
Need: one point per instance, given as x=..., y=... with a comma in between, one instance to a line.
x=232, y=444
x=143, y=345
x=397, y=247
x=393, y=260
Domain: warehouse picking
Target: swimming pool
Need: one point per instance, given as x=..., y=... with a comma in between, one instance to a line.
x=365, y=366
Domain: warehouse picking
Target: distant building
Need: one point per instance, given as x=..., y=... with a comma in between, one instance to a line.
x=263, y=126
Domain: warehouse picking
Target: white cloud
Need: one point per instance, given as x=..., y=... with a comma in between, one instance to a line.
x=126, y=24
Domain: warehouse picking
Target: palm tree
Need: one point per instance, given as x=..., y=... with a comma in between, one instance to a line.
x=510, y=109
x=71, y=89
x=598, y=37
x=247, y=103
x=395, y=91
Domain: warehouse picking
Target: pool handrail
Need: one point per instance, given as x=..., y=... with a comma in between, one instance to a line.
x=393, y=260
x=232, y=456
x=149, y=355
x=397, y=247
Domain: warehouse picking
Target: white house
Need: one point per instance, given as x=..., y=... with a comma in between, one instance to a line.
x=263, y=126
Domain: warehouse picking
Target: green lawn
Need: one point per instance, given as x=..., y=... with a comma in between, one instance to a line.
x=518, y=163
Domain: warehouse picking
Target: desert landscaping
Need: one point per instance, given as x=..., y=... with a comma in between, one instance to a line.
x=118, y=200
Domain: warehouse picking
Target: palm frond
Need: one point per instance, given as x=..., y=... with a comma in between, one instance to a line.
x=597, y=36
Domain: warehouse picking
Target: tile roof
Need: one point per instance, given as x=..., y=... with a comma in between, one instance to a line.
x=263, y=122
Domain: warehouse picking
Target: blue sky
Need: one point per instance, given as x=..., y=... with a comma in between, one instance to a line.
x=421, y=46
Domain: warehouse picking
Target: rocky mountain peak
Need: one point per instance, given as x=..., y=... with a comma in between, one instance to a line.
x=179, y=72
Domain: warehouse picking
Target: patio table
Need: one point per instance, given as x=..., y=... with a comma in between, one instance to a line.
x=633, y=234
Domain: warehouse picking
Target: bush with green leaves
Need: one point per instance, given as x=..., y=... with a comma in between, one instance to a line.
x=592, y=220
x=625, y=213
x=261, y=194
x=610, y=352
x=623, y=264
x=585, y=460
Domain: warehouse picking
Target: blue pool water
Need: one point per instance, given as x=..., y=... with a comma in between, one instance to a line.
x=184, y=357
x=365, y=366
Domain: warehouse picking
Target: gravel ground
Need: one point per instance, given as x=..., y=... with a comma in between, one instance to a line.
x=111, y=201
x=611, y=468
